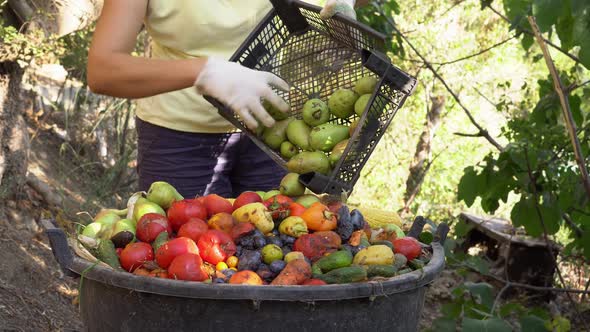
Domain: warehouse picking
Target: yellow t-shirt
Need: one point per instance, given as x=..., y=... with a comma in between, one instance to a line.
x=182, y=29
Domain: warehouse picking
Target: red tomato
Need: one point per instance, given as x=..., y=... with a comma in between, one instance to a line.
x=407, y=246
x=278, y=205
x=216, y=204
x=241, y=229
x=314, y=246
x=296, y=209
x=135, y=254
x=193, y=229
x=180, y=212
x=216, y=246
x=150, y=225
x=119, y=250
x=246, y=277
x=245, y=198
x=169, y=250
x=314, y=282
x=187, y=267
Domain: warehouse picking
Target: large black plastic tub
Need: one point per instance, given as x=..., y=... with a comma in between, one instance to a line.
x=120, y=301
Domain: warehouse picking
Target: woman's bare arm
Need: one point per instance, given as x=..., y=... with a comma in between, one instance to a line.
x=113, y=71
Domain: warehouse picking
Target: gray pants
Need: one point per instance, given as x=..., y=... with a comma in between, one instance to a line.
x=200, y=164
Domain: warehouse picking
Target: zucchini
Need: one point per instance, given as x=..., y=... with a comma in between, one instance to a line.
x=335, y=260
x=108, y=254
x=159, y=241
x=381, y=271
x=344, y=275
x=385, y=242
x=416, y=264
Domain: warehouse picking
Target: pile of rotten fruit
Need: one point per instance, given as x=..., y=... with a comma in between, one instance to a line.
x=281, y=237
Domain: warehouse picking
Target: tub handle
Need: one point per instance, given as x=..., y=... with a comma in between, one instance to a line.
x=417, y=227
x=440, y=234
x=59, y=246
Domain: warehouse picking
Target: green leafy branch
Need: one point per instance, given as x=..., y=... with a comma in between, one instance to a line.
x=566, y=23
x=385, y=19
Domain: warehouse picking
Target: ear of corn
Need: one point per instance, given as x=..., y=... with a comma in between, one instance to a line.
x=379, y=218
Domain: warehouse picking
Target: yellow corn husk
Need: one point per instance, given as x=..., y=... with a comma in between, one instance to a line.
x=379, y=218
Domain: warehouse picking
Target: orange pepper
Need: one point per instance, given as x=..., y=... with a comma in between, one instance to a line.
x=319, y=218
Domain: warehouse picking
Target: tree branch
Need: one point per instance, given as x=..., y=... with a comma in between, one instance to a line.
x=572, y=225
x=524, y=286
x=530, y=33
x=485, y=50
x=538, y=210
x=586, y=290
x=468, y=135
x=565, y=106
x=484, y=133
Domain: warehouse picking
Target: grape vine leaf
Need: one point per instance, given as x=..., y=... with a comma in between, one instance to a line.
x=565, y=26
x=468, y=186
x=487, y=325
x=532, y=323
x=524, y=213
x=546, y=12
x=482, y=292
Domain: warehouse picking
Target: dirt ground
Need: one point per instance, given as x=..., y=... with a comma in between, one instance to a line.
x=34, y=293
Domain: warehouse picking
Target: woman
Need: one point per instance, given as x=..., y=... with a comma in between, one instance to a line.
x=181, y=137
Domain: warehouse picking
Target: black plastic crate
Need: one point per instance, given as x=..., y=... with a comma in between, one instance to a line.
x=317, y=57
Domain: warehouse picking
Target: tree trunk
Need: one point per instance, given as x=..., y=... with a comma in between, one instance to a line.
x=419, y=168
x=14, y=137
x=58, y=17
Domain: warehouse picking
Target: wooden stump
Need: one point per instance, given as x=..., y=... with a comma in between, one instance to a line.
x=516, y=258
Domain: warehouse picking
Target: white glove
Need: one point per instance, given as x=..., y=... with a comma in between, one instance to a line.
x=333, y=7
x=242, y=89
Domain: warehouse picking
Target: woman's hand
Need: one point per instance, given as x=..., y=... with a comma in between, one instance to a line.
x=242, y=89
x=333, y=7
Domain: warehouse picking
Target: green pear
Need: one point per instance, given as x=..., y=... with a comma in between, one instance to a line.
x=143, y=206
x=306, y=162
x=288, y=150
x=361, y=104
x=315, y=112
x=163, y=194
x=365, y=85
x=270, y=194
x=290, y=185
x=307, y=200
x=341, y=103
x=277, y=134
x=298, y=134
x=93, y=230
x=107, y=217
x=123, y=233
